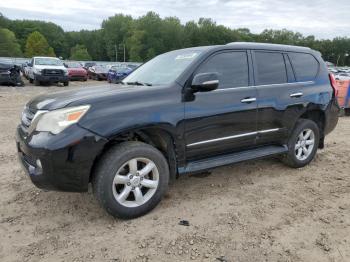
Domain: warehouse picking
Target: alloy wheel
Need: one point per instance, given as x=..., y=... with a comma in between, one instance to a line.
x=305, y=144
x=135, y=182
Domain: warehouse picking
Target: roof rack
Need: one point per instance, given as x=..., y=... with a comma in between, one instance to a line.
x=257, y=44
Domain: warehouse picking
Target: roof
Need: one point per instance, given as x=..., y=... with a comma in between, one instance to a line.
x=46, y=57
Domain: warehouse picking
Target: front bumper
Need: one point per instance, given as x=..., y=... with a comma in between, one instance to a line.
x=60, y=162
x=51, y=78
x=77, y=77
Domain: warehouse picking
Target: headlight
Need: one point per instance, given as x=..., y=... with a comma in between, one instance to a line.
x=57, y=120
x=65, y=72
x=37, y=71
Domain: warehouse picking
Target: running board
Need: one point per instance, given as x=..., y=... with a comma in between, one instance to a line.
x=208, y=163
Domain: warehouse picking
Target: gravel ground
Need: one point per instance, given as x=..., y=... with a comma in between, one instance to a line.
x=254, y=211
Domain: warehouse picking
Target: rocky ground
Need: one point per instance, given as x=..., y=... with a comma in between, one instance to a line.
x=253, y=211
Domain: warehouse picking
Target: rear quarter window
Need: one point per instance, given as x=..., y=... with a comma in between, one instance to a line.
x=305, y=66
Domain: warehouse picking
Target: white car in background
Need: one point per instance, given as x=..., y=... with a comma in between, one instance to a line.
x=342, y=76
x=47, y=70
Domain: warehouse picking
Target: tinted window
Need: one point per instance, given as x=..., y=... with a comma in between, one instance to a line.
x=270, y=68
x=305, y=66
x=232, y=68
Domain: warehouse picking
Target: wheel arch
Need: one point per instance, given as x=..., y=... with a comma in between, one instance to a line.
x=319, y=117
x=161, y=138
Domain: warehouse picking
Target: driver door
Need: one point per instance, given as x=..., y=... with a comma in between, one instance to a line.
x=223, y=120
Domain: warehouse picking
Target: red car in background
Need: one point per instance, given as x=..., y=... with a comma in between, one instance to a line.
x=76, y=71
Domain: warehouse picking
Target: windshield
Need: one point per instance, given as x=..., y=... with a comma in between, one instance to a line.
x=73, y=65
x=162, y=69
x=48, y=61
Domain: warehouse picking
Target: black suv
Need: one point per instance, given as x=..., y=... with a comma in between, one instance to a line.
x=182, y=112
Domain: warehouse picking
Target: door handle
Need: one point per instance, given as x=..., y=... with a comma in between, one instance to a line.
x=299, y=94
x=248, y=100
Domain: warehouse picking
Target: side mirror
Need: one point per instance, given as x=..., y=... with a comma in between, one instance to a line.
x=205, y=82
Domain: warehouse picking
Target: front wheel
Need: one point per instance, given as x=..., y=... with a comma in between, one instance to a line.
x=131, y=179
x=302, y=144
x=66, y=83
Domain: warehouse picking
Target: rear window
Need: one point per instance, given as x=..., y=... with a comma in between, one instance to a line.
x=270, y=68
x=305, y=66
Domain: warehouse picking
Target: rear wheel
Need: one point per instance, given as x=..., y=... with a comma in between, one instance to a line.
x=31, y=81
x=131, y=179
x=302, y=144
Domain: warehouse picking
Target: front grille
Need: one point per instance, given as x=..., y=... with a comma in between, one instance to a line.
x=27, y=118
x=52, y=72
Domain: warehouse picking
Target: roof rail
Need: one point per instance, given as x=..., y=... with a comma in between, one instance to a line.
x=256, y=44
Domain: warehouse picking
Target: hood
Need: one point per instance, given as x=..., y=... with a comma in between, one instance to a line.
x=50, y=67
x=86, y=95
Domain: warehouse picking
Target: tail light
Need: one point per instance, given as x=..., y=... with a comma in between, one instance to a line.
x=333, y=84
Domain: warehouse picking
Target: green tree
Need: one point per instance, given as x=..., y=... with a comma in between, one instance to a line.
x=37, y=45
x=116, y=30
x=53, y=33
x=92, y=40
x=8, y=44
x=79, y=52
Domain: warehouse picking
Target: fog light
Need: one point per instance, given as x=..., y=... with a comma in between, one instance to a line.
x=38, y=164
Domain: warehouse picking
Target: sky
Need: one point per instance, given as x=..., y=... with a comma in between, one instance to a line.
x=324, y=19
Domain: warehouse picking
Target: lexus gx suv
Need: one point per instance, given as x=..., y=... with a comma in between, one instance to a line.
x=184, y=111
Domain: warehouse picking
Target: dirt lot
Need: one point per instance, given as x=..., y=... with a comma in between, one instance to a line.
x=254, y=211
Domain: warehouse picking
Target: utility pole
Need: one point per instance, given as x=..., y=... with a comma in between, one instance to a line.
x=124, y=52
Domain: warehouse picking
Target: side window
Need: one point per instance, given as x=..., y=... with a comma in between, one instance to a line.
x=305, y=66
x=270, y=68
x=232, y=68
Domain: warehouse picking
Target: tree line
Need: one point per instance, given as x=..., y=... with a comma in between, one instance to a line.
x=145, y=37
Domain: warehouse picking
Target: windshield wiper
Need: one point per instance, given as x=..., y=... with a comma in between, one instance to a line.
x=137, y=83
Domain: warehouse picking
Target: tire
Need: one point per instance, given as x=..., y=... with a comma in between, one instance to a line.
x=293, y=158
x=116, y=162
x=36, y=82
x=66, y=83
x=31, y=81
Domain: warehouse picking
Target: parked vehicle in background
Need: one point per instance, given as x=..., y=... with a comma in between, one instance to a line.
x=133, y=66
x=182, y=112
x=343, y=94
x=87, y=65
x=98, y=72
x=25, y=69
x=342, y=76
x=76, y=71
x=116, y=74
x=10, y=74
x=47, y=70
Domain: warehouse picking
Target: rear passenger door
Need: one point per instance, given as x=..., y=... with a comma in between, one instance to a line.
x=281, y=95
x=222, y=120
